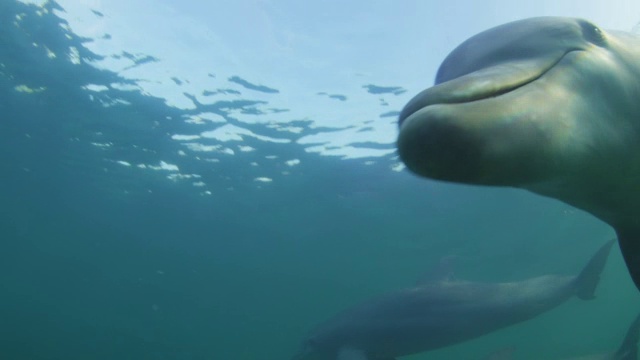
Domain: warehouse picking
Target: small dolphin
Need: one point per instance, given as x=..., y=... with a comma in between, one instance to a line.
x=549, y=104
x=437, y=314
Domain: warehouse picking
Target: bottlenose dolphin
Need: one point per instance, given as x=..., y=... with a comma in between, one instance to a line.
x=437, y=314
x=549, y=104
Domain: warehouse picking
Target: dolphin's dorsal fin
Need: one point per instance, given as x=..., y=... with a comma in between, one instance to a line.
x=629, y=348
x=349, y=353
x=441, y=272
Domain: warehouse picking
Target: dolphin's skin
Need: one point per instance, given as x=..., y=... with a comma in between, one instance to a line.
x=438, y=314
x=551, y=105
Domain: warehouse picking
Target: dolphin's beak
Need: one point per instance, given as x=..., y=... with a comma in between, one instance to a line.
x=486, y=127
x=481, y=84
x=499, y=110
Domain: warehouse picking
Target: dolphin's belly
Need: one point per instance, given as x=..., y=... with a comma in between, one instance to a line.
x=417, y=320
x=404, y=336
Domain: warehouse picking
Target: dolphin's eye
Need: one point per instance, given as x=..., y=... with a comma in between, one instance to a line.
x=593, y=34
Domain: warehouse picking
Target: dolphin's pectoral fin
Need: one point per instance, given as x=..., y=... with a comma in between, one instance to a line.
x=629, y=240
x=348, y=353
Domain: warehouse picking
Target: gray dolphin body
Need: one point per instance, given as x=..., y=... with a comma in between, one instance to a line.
x=438, y=314
x=551, y=105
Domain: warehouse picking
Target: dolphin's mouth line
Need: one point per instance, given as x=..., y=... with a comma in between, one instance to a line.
x=483, y=84
x=508, y=89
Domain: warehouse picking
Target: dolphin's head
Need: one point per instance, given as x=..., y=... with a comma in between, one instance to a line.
x=526, y=103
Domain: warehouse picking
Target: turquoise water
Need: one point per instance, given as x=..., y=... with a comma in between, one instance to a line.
x=110, y=252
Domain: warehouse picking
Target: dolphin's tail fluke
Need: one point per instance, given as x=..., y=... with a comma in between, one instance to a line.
x=629, y=348
x=589, y=278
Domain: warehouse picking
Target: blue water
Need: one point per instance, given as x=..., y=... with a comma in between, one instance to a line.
x=106, y=260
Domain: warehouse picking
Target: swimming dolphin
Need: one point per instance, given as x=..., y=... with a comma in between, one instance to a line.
x=628, y=350
x=437, y=314
x=549, y=104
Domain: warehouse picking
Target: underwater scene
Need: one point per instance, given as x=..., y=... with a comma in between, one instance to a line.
x=322, y=180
